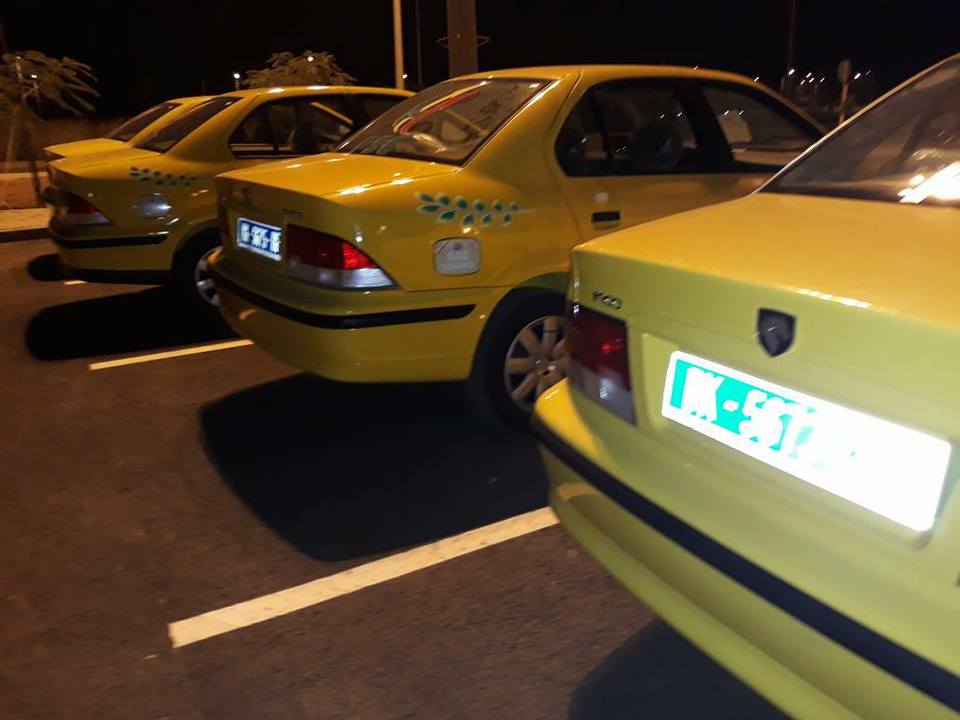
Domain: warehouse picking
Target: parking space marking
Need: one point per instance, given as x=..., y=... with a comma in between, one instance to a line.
x=152, y=357
x=284, y=602
x=74, y=282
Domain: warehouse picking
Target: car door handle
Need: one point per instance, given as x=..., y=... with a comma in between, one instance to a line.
x=606, y=216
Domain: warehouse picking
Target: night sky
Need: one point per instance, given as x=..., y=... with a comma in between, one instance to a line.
x=148, y=50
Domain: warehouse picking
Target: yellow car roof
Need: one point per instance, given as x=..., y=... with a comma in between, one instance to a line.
x=189, y=99
x=596, y=73
x=294, y=90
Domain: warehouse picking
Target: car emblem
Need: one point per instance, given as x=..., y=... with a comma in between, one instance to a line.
x=608, y=300
x=775, y=331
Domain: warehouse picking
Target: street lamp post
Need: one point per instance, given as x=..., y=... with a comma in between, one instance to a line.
x=236, y=81
x=398, y=74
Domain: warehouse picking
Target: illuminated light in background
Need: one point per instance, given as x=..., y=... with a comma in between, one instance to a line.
x=916, y=180
x=857, y=76
x=309, y=58
x=943, y=185
x=791, y=71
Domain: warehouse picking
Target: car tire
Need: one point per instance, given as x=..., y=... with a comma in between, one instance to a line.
x=522, y=352
x=191, y=277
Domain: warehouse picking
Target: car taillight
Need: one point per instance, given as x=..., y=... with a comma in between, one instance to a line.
x=600, y=360
x=322, y=259
x=75, y=210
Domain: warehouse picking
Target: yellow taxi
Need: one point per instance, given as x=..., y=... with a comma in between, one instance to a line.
x=129, y=132
x=148, y=213
x=758, y=433
x=434, y=244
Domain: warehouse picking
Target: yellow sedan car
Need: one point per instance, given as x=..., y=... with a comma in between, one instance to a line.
x=758, y=433
x=128, y=133
x=434, y=244
x=148, y=213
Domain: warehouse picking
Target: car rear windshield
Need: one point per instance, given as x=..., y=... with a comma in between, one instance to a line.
x=906, y=149
x=169, y=135
x=135, y=124
x=446, y=122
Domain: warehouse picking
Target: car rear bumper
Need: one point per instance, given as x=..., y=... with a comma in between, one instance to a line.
x=404, y=345
x=809, y=659
x=89, y=251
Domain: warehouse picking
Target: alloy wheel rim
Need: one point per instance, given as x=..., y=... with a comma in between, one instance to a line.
x=203, y=281
x=536, y=360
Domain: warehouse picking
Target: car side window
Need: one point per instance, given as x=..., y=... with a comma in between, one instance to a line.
x=759, y=131
x=375, y=105
x=254, y=136
x=291, y=127
x=634, y=128
x=581, y=149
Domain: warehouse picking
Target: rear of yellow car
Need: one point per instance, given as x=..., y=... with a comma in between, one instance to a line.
x=758, y=436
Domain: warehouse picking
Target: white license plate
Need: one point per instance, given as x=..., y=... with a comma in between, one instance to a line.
x=259, y=238
x=890, y=469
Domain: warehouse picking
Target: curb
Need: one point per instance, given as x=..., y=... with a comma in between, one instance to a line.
x=23, y=234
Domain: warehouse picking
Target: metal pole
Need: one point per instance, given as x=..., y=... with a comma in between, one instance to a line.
x=416, y=12
x=462, y=36
x=397, y=45
x=792, y=39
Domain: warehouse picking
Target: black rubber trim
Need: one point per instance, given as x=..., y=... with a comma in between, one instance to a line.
x=119, y=277
x=605, y=216
x=344, y=322
x=908, y=667
x=69, y=244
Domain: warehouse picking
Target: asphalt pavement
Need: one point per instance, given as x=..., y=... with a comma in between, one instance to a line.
x=136, y=496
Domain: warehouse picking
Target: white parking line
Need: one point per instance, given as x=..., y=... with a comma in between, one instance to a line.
x=74, y=282
x=283, y=602
x=152, y=357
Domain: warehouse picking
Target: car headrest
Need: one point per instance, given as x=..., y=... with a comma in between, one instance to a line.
x=656, y=147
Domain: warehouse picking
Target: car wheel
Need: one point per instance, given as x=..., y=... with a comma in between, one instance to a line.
x=522, y=354
x=192, y=272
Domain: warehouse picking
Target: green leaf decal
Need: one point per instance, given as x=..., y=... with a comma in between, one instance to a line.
x=487, y=219
x=425, y=197
x=443, y=199
x=479, y=206
x=497, y=206
x=446, y=216
x=513, y=207
x=462, y=203
x=427, y=209
x=467, y=220
x=507, y=218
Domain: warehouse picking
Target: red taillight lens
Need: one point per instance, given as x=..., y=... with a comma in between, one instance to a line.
x=600, y=360
x=75, y=210
x=325, y=259
x=76, y=205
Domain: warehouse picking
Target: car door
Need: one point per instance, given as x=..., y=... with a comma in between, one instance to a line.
x=635, y=150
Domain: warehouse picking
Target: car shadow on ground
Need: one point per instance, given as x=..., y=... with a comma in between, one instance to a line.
x=658, y=674
x=46, y=268
x=142, y=321
x=343, y=471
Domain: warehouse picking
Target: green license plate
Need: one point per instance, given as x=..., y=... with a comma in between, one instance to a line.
x=890, y=469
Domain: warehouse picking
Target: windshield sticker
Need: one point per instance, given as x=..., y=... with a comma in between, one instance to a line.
x=469, y=214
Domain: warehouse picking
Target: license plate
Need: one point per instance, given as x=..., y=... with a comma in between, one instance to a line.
x=887, y=468
x=259, y=238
